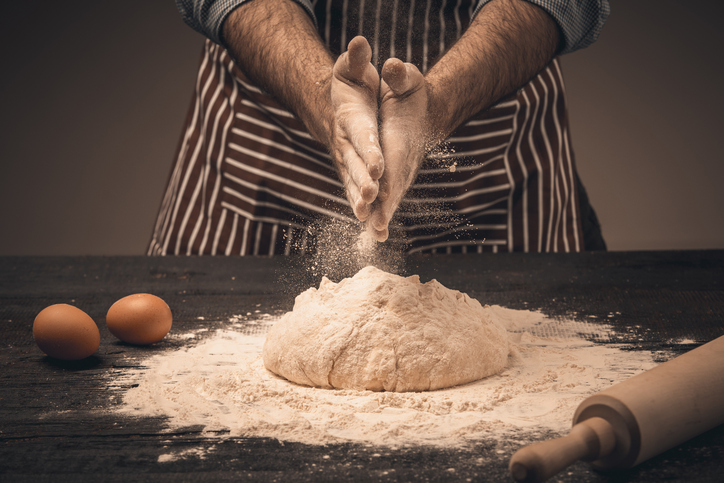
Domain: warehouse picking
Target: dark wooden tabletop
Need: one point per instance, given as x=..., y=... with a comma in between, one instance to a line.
x=51, y=428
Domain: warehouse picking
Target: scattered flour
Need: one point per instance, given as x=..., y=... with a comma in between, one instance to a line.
x=221, y=384
x=195, y=453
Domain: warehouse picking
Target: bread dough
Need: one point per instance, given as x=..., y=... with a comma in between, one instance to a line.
x=379, y=331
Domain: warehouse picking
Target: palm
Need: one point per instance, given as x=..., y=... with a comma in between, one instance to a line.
x=355, y=143
x=403, y=110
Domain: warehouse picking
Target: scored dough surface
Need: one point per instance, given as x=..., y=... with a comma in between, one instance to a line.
x=379, y=331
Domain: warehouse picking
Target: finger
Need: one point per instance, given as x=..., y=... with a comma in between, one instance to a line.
x=383, y=208
x=402, y=78
x=375, y=162
x=383, y=192
x=367, y=145
x=359, y=54
x=378, y=222
x=378, y=218
x=361, y=130
x=360, y=208
x=354, y=65
x=394, y=73
x=379, y=235
x=357, y=171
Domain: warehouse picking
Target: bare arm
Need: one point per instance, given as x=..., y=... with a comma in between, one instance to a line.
x=508, y=42
x=276, y=45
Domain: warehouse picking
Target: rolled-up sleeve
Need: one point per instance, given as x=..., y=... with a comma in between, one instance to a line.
x=580, y=21
x=207, y=16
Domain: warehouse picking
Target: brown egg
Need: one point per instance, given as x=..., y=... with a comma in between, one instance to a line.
x=66, y=332
x=140, y=318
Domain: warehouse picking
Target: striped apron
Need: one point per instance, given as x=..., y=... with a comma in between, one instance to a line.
x=250, y=180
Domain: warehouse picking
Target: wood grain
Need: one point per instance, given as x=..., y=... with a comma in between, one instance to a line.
x=54, y=427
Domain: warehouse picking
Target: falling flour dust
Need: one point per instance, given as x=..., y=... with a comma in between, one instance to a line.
x=219, y=382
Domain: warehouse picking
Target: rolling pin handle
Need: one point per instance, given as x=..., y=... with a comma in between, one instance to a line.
x=588, y=440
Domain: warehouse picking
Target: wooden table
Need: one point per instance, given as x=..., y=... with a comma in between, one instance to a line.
x=51, y=429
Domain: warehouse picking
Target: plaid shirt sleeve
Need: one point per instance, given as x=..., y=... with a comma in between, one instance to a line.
x=580, y=21
x=207, y=16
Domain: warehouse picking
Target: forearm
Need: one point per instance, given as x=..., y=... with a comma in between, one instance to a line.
x=276, y=45
x=508, y=43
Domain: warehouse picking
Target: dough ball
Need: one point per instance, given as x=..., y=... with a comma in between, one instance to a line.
x=382, y=332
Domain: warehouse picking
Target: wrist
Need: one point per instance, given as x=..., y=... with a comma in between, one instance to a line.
x=315, y=110
x=444, y=113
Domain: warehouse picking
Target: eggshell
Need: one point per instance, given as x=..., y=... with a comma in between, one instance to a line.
x=66, y=332
x=140, y=318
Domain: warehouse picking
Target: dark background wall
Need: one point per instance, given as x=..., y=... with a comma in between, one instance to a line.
x=93, y=96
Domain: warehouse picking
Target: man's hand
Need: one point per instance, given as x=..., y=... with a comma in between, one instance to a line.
x=277, y=46
x=404, y=133
x=508, y=43
x=355, y=142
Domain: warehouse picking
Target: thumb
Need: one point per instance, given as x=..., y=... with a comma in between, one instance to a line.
x=359, y=54
x=394, y=73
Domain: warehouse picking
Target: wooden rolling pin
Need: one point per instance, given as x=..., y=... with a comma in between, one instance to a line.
x=639, y=418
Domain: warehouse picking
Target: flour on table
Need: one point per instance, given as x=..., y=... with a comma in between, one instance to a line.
x=379, y=331
x=220, y=384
